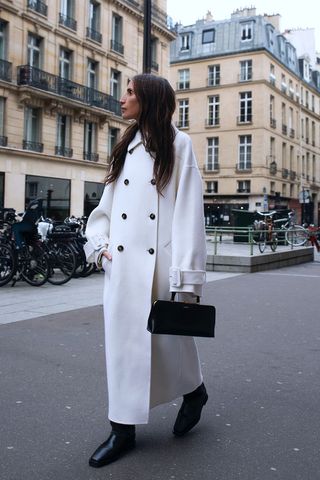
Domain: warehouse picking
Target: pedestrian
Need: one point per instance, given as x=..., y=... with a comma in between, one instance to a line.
x=147, y=233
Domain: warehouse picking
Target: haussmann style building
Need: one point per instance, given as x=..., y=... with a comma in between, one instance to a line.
x=63, y=67
x=252, y=109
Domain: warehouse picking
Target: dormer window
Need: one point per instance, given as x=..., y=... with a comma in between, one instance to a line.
x=246, y=31
x=208, y=36
x=185, y=41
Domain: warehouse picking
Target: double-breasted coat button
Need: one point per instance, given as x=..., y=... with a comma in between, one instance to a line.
x=124, y=216
x=120, y=248
x=153, y=181
x=151, y=251
x=152, y=216
x=126, y=181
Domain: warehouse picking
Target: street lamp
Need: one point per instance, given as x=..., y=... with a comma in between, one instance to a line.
x=147, y=37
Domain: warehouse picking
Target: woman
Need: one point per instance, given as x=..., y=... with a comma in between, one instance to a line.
x=148, y=235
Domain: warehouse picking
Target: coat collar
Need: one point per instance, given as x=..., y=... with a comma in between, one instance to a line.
x=135, y=142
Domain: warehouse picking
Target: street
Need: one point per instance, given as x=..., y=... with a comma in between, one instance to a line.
x=261, y=371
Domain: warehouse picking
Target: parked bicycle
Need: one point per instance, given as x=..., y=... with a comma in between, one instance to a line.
x=266, y=231
x=295, y=235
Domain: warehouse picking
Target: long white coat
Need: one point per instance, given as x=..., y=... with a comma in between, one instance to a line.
x=157, y=243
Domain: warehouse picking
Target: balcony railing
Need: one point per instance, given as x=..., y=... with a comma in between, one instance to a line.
x=34, y=146
x=92, y=156
x=244, y=167
x=5, y=70
x=284, y=129
x=94, y=35
x=285, y=173
x=42, y=80
x=214, y=168
x=212, y=122
x=244, y=119
x=116, y=46
x=63, y=151
x=293, y=175
x=292, y=132
x=3, y=141
x=38, y=6
x=67, y=21
x=273, y=122
x=273, y=166
x=307, y=139
x=155, y=66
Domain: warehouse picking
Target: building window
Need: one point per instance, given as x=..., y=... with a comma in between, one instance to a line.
x=271, y=108
x=213, y=110
x=92, y=195
x=283, y=83
x=212, y=187
x=34, y=50
x=154, y=54
x=183, y=114
x=243, y=186
x=93, y=31
x=3, y=139
x=272, y=75
x=284, y=118
x=90, y=142
x=115, y=84
x=113, y=136
x=92, y=74
x=3, y=40
x=246, y=31
x=67, y=14
x=213, y=75
x=291, y=89
x=245, y=70
x=117, y=29
x=208, y=36
x=65, y=63
x=245, y=107
x=32, y=129
x=55, y=193
x=212, y=161
x=185, y=41
x=184, y=79
x=245, y=147
x=63, y=136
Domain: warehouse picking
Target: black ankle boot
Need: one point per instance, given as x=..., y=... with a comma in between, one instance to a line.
x=190, y=411
x=121, y=440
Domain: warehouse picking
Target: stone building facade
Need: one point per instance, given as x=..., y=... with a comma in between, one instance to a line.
x=252, y=108
x=63, y=67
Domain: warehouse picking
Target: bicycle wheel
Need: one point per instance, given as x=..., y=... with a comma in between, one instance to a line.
x=297, y=235
x=62, y=263
x=262, y=241
x=34, y=266
x=274, y=241
x=7, y=264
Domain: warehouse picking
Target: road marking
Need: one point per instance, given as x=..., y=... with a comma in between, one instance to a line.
x=289, y=275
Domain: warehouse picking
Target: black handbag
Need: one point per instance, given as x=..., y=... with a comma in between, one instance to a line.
x=181, y=318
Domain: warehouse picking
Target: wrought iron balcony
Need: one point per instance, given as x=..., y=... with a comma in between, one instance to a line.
x=293, y=175
x=5, y=70
x=67, y=21
x=63, y=151
x=155, y=66
x=285, y=173
x=34, y=77
x=273, y=167
x=38, y=6
x=273, y=122
x=34, y=146
x=92, y=156
x=3, y=141
x=94, y=35
x=284, y=129
x=292, y=132
x=116, y=46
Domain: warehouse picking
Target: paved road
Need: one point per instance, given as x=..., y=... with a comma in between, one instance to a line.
x=261, y=371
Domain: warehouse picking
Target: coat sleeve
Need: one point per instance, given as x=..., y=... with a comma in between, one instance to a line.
x=188, y=270
x=98, y=226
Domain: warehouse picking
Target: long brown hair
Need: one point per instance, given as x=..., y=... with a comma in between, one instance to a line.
x=157, y=104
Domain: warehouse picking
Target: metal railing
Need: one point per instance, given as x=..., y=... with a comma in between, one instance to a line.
x=5, y=70
x=94, y=35
x=63, y=151
x=67, y=21
x=43, y=80
x=116, y=46
x=38, y=6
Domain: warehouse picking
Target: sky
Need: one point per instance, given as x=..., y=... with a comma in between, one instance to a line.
x=305, y=14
